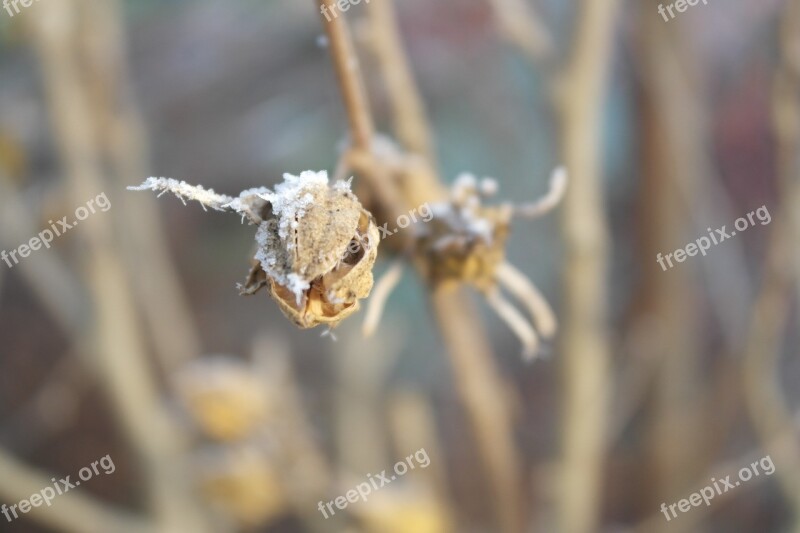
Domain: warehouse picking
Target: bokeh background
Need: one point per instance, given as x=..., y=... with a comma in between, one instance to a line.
x=129, y=337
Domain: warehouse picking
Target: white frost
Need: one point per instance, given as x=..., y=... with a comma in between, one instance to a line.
x=291, y=198
x=184, y=191
x=289, y=201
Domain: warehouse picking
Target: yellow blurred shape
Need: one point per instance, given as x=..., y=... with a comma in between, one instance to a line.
x=224, y=397
x=242, y=483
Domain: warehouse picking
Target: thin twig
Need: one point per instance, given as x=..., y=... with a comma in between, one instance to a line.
x=586, y=350
x=765, y=398
x=348, y=72
x=782, y=444
x=408, y=110
x=119, y=349
x=48, y=277
x=123, y=138
x=672, y=173
x=73, y=511
x=486, y=400
x=521, y=26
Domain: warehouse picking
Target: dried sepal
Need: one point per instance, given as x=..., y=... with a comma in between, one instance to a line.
x=516, y=283
x=383, y=288
x=548, y=202
x=465, y=241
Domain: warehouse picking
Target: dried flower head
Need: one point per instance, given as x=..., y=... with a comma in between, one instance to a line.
x=223, y=397
x=465, y=243
x=316, y=243
x=242, y=482
x=404, y=508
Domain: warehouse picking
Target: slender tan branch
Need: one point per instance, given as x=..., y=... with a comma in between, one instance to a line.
x=586, y=350
x=348, y=72
x=120, y=355
x=786, y=120
x=73, y=511
x=481, y=389
x=521, y=26
x=122, y=137
x=408, y=110
x=782, y=443
x=765, y=398
x=673, y=172
x=48, y=277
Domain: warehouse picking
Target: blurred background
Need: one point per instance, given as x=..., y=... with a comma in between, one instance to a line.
x=129, y=338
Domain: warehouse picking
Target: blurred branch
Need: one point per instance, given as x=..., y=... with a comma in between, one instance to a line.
x=305, y=465
x=786, y=124
x=408, y=109
x=783, y=443
x=479, y=385
x=636, y=375
x=360, y=379
x=485, y=398
x=668, y=301
x=158, y=287
x=359, y=156
x=49, y=408
x=348, y=73
x=120, y=354
x=766, y=401
x=48, y=277
x=585, y=342
x=73, y=511
x=521, y=26
x=413, y=422
x=668, y=70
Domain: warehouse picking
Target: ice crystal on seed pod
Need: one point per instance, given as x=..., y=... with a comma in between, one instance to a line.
x=304, y=242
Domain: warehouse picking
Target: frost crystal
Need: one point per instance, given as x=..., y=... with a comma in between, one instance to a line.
x=248, y=204
x=184, y=191
x=276, y=262
x=291, y=199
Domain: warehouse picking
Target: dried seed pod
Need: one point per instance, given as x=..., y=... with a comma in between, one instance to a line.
x=316, y=243
x=318, y=250
x=465, y=243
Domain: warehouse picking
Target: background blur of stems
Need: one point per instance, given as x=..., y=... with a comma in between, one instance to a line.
x=658, y=382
